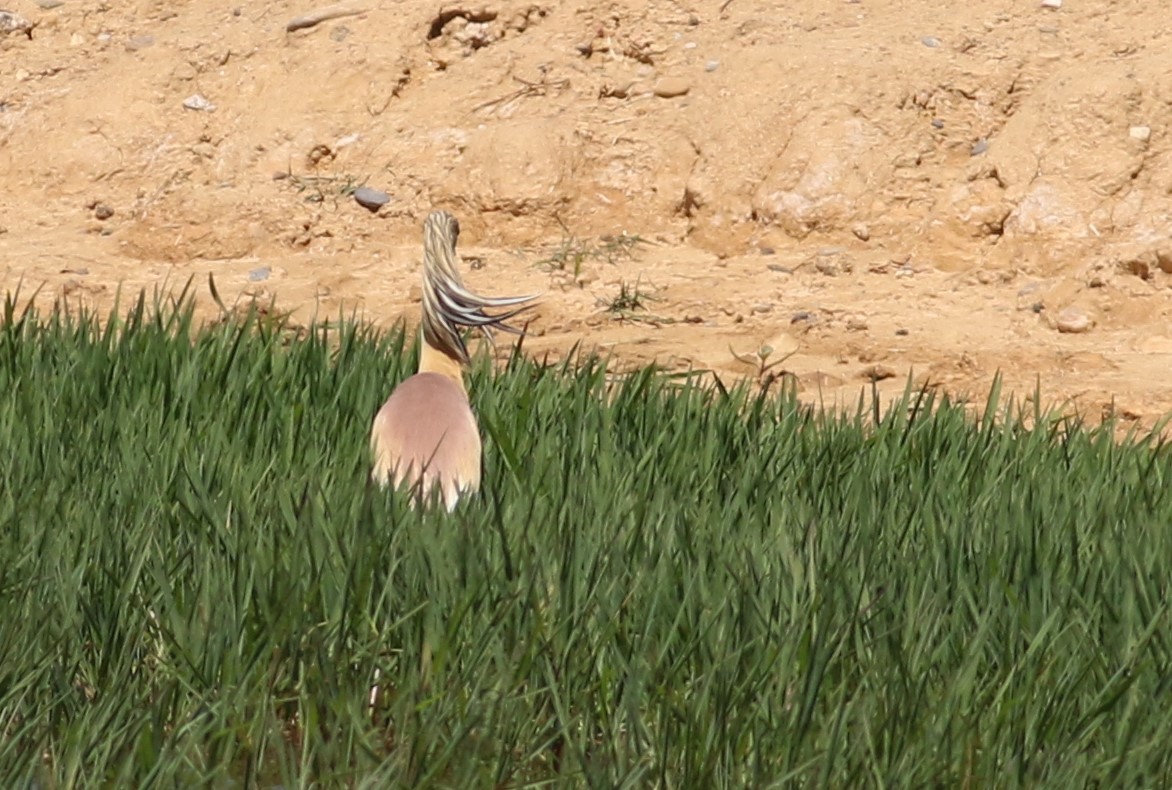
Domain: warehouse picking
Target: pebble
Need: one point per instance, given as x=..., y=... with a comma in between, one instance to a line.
x=197, y=102
x=1164, y=259
x=1051, y=3
x=856, y=324
x=102, y=211
x=1073, y=321
x=1141, y=133
x=712, y=65
x=979, y=147
x=832, y=262
x=136, y=43
x=861, y=231
x=930, y=41
x=803, y=315
x=937, y=123
x=15, y=23
x=259, y=275
x=372, y=199
x=671, y=87
x=49, y=5
x=878, y=372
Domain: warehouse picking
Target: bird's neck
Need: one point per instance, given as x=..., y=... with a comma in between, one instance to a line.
x=432, y=360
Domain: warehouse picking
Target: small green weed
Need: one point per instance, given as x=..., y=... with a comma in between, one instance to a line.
x=573, y=252
x=631, y=297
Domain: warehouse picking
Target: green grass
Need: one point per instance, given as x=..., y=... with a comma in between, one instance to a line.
x=661, y=584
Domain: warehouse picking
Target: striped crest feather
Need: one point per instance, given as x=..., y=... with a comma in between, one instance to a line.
x=447, y=305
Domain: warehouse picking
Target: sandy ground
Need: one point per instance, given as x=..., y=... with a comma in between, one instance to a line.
x=872, y=187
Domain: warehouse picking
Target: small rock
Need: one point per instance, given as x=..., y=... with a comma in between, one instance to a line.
x=856, y=324
x=339, y=33
x=259, y=275
x=832, y=262
x=197, y=102
x=979, y=147
x=1141, y=133
x=878, y=373
x=1164, y=259
x=671, y=87
x=800, y=316
x=861, y=231
x=762, y=307
x=1051, y=3
x=1073, y=321
x=320, y=153
x=102, y=211
x=986, y=277
x=712, y=66
x=372, y=199
x=818, y=381
x=136, y=43
x=49, y=5
x=415, y=293
x=937, y=123
x=930, y=41
x=902, y=332
x=15, y=23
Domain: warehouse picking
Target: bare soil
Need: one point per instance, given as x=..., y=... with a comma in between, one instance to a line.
x=875, y=187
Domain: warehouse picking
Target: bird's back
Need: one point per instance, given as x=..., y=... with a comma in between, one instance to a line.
x=426, y=435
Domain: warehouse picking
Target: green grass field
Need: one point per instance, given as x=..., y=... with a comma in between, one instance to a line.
x=665, y=585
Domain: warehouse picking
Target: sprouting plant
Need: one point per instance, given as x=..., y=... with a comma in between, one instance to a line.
x=760, y=361
x=318, y=189
x=573, y=251
x=631, y=297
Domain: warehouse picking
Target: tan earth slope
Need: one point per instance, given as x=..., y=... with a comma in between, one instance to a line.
x=879, y=186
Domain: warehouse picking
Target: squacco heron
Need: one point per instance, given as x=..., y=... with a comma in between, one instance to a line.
x=425, y=436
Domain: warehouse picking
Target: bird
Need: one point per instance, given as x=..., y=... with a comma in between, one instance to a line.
x=425, y=436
